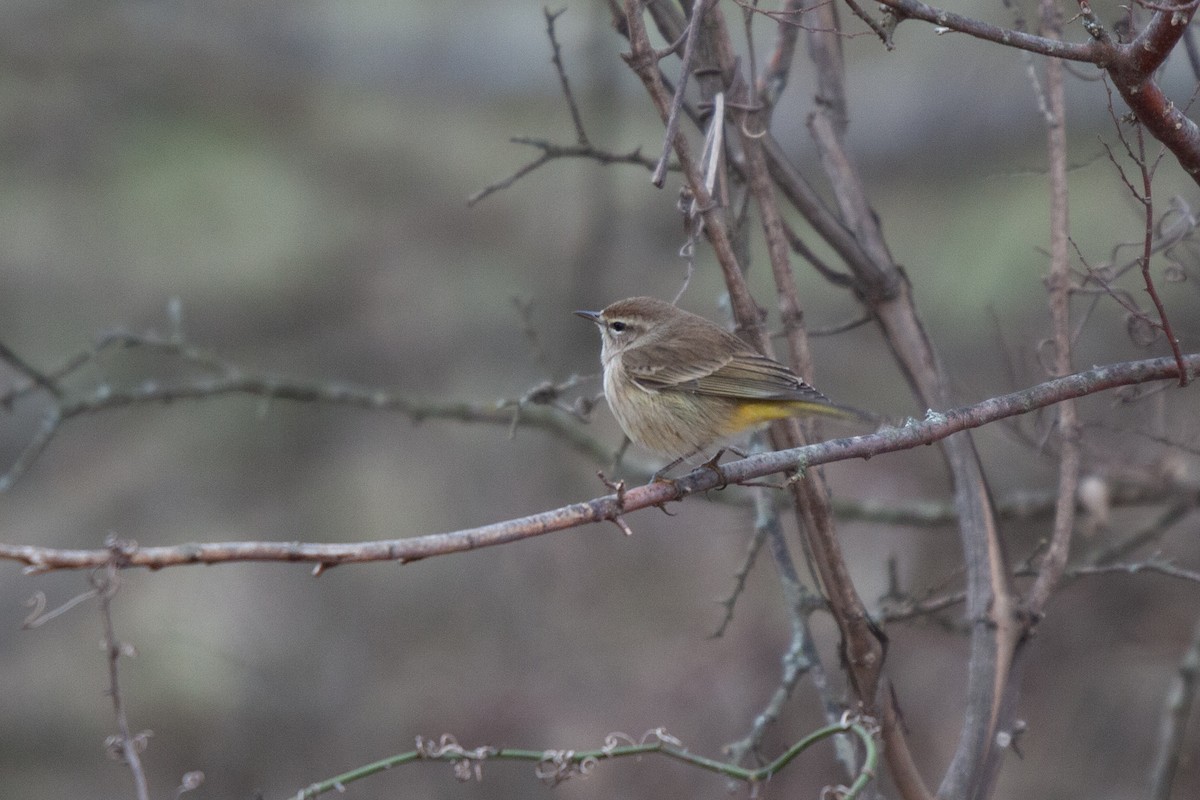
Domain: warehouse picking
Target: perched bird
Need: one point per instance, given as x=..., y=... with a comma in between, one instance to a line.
x=678, y=383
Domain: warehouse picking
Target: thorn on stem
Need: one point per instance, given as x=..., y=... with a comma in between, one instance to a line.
x=618, y=488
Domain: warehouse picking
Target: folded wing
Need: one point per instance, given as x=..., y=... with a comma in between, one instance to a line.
x=742, y=376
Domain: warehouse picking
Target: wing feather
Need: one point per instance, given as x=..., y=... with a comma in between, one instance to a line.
x=743, y=375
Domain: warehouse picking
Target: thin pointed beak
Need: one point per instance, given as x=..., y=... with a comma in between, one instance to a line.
x=591, y=316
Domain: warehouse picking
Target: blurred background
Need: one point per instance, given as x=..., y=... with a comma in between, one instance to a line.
x=295, y=175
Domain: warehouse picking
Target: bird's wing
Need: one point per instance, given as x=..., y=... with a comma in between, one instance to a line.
x=751, y=376
x=744, y=375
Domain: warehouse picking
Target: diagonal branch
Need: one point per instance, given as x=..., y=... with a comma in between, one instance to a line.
x=22, y=366
x=1172, y=729
x=935, y=427
x=1131, y=65
x=1092, y=52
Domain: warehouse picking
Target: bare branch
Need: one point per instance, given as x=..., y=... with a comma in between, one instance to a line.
x=1055, y=557
x=550, y=151
x=1173, y=727
x=699, y=8
x=125, y=746
x=742, y=575
x=555, y=766
x=1131, y=65
x=1017, y=506
x=543, y=406
x=32, y=450
x=23, y=367
x=1151, y=565
x=1145, y=534
x=802, y=658
x=1093, y=52
x=1148, y=249
x=936, y=426
x=39, y=616
x=775, y=77
x=576, y=118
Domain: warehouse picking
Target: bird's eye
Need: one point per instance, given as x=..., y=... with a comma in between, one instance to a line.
x=617, y=326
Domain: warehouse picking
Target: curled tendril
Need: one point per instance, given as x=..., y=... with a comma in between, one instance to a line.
x=661, y=735
x=619, y=739
x=557, y=766
x=865, y=721
x=614, y=740
x=467, y=764
x=114, y=746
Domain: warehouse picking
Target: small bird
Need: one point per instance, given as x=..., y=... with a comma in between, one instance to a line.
x=677, y=383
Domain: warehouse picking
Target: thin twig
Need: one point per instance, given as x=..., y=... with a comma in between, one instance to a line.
x=689, y=49
x=1151, y=565
x=1146, y=534
x=32, y=450
x=1147, y=279
x=582, y=147
x=25, y=368
x=740, y=578
x=552, y=151
x=39, y=616
x=774, y=79
x=801, y=658
x=1055, y=557
x=500, y=185
x=576, y=118
x=1173, y=728
x=126, y=745
x=905, y=609
x=1131, y=65
x=800, y=248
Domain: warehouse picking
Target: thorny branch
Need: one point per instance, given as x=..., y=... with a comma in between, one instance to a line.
x=936, y=426
x=544, y=406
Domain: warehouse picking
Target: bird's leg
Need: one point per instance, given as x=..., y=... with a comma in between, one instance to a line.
x=711, y=464
x=658, y=476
